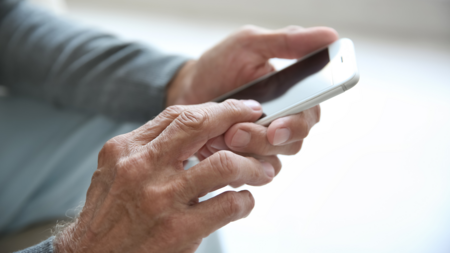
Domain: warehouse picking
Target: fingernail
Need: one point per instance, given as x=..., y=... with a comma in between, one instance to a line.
x=219, y=144
x=240, y=139
x=281, y=136
x=268, y=169
x=252, y=104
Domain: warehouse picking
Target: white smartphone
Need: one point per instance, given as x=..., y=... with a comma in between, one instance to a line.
x=313, y=79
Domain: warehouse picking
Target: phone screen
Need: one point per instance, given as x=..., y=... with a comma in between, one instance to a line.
x=291, y=85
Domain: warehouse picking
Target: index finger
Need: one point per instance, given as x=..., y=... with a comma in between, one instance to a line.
x=193, y=128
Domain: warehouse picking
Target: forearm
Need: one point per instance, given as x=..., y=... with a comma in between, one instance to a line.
x=51, y=59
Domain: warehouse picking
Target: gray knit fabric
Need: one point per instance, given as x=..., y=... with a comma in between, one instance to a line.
x=51, y=59
x=43, y=247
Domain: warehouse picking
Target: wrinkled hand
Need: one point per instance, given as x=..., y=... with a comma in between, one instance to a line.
x=239, y=59
x=142, y=200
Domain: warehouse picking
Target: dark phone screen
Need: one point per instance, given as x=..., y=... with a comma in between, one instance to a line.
x=291, y=85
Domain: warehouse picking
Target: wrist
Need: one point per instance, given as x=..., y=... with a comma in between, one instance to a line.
x=68, y=237
x=62, y=242
x=178, y=90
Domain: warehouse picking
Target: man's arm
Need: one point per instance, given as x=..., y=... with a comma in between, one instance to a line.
x=49, y=58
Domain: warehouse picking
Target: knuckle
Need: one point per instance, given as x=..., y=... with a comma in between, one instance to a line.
x=247, y=33
x=112, y=148
x=208, y=104
x=293, y=28
x=158, y=197
x=295, y=148
x=249, y=29
x=173, y=110
x=154, y=192
x=304, y=128
x=193, y=120
x=224, y=164
x=132, y=168
x=98, y=175
x=110, y=145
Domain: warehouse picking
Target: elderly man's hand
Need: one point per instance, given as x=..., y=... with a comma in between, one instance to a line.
x=239, y=59
x=142, y=200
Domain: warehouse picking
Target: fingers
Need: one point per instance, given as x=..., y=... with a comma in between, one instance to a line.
x=193, y=128
x=283, y=136
x=292, y=128
x=252, y=138
x=292, y=42
x=226, y=168
x=272, y=159
x=208, y=216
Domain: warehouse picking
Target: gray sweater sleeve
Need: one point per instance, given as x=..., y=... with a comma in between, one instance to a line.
x=49, y=58
x=43, y=247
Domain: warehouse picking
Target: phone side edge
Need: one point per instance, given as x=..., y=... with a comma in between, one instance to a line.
x=351, y=82
x=311, y=102
x=343, y=64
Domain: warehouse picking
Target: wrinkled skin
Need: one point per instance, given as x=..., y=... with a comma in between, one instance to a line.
x=142, y=200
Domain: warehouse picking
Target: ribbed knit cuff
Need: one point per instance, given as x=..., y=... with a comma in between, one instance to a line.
x=43, y=247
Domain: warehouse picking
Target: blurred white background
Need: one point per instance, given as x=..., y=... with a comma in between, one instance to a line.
x=374, y=174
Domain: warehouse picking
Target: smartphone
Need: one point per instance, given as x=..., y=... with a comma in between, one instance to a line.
x=313, y=79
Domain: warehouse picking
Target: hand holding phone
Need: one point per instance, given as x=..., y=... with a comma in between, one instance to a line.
x=242, y=57
x=311, y=80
